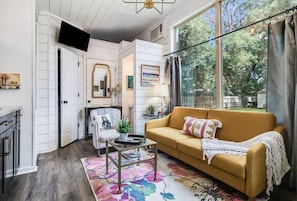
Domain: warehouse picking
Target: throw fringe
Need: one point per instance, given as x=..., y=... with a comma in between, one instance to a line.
x=276, y=160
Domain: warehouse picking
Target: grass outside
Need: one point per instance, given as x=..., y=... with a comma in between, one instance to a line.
x=248, y=109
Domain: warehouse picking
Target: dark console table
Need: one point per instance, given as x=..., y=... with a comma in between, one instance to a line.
x=88, y=109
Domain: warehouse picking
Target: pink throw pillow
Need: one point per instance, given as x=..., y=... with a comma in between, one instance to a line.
x=187, y=128
x=206, y=128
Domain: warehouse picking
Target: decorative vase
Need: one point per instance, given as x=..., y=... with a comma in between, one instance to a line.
x=123, y=136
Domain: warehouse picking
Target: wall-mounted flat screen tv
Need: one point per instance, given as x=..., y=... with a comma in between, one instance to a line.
x=74, y=37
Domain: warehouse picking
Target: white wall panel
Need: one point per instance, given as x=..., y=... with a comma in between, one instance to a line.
x=41, y=65
x=47, y=83
x=42, y=56
x=42, y=38
x=42, y=112
x=144, y=53
x=42, y=84
x=45, y=79
x=105, y=53
x=42, y=129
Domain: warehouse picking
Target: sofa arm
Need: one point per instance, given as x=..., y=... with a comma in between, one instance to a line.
x=95, y=129
x=281, y=129
x=256, y=170
x=156, y=123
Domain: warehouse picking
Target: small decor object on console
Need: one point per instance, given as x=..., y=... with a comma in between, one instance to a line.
x=9, y=81
x=150, y=110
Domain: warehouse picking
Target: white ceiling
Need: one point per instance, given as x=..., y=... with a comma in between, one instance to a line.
x=110, y=20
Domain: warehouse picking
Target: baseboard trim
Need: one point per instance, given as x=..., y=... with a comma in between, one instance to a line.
x=27, y=170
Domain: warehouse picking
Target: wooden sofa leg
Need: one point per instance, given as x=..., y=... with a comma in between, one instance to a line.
x=252, y=199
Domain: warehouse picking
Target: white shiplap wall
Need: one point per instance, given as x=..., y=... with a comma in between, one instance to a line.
x=151, y=54
x=103, y=52
x=144, y=53
x=44, y=77
x=46, y=113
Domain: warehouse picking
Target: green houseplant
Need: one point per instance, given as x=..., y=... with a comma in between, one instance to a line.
x=123, y=127
x=150, y=110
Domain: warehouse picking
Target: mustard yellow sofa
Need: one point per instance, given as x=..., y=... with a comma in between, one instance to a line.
x=246, y=174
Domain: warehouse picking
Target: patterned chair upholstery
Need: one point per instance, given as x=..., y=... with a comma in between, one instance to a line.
x=103, y=121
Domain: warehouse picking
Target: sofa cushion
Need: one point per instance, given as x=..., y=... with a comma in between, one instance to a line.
x=179, y=113
x=108, y=135
x=230, y=163
x=239, y=126
x=166, y=135
x=191, y=147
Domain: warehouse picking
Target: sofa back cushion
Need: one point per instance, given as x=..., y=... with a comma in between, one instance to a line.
x=239, y=126
x=179, y=113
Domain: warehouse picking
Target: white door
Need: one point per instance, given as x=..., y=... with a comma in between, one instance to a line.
x=68, y=97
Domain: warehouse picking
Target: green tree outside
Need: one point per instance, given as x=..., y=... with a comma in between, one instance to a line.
x=244, y=52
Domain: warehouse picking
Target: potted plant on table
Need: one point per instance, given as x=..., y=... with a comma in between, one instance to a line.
x=123, y=127
x=150, y=110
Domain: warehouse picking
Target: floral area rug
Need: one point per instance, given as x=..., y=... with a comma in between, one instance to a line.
x=175, y=181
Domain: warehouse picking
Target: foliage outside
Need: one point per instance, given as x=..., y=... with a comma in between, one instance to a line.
x=244, y=52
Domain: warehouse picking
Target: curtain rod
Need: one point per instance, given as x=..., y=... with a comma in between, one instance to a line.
x=217, y=37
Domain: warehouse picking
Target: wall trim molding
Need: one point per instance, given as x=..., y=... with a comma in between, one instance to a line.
x=27, y=170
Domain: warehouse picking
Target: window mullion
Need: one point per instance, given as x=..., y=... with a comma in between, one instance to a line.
x=219, y=60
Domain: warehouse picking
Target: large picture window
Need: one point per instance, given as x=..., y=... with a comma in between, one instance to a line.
x=198, y=63
x=243, y=55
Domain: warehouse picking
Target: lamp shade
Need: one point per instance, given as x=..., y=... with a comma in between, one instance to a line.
x=161, y=90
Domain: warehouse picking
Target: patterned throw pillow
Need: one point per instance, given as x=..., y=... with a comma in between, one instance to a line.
x=104, y=121
x=187, y=128
x=206, y=128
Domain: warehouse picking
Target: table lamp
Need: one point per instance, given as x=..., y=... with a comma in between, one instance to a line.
x=162, y=92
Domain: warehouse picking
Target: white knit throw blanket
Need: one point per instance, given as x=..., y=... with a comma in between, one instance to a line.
x=276, y=160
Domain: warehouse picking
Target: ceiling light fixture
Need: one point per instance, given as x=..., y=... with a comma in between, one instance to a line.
x=149, y=4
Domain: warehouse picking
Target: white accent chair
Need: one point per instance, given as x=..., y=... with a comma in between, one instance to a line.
x=101, y=133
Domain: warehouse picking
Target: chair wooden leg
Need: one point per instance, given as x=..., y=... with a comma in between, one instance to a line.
x=252, y=199
x=98, y=152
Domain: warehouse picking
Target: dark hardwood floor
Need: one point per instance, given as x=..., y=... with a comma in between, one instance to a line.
x=61, y=177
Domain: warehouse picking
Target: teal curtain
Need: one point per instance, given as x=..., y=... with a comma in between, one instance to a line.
x=282, y=85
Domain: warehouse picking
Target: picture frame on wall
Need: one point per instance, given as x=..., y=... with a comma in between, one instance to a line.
x=150, y=75
x=129, y=81
x=101, y=84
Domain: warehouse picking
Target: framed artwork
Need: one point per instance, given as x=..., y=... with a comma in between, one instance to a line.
x=101, y=84
x=129, y=81
x=95, y=88
x=150, y=75
x=9, y=81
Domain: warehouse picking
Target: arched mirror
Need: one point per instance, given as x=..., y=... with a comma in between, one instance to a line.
x=101, y=81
